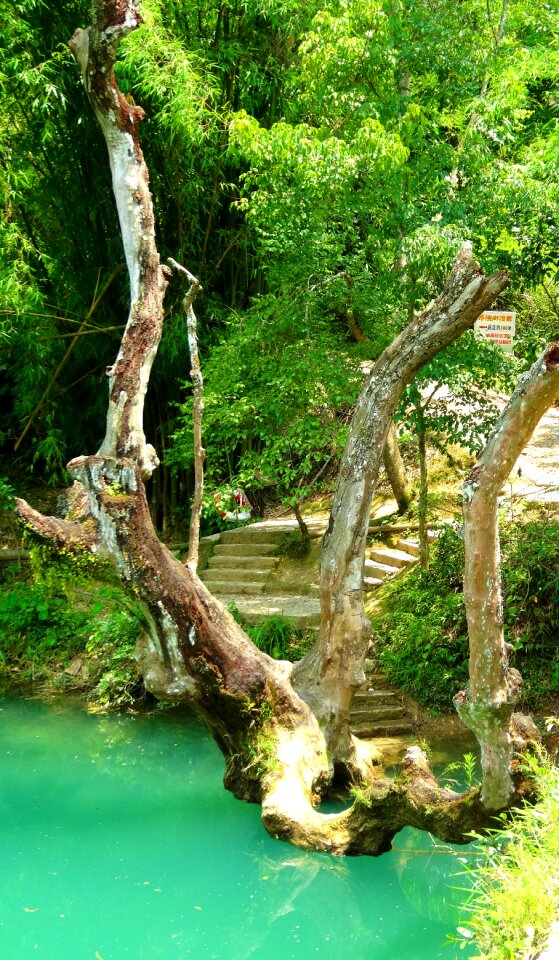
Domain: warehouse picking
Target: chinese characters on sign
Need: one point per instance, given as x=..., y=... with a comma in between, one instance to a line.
x=498, y=326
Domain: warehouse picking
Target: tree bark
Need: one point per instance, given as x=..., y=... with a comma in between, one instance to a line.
x=487, y=705
x=95, y=50
x=329, y=675
x=197, y=414
x=395, y=470
x=423, y=487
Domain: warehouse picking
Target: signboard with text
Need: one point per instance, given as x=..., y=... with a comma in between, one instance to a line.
x=497, y=326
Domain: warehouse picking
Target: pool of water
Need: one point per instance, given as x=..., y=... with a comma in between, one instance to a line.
x=118, y=842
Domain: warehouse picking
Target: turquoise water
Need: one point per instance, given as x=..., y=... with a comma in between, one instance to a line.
x=118, y=841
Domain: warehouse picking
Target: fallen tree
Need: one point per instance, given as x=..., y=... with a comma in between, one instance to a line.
x=283, y=730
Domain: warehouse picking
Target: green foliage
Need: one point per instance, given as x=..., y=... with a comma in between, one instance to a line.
x=37, y=625
x=7, y=494
x=515, y=885
x=276, y=399
x=292, y=545
x=110, y=649
x=280, y=638
x=275, y=635
x=465, y=770
x=421, y=634
x=531, y=608
x=65, y=614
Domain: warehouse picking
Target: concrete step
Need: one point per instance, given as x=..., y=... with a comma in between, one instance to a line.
x=390, y=557
x=380, y=571
x=236, y=574
x=232, y=588
x=260, y=549
x=226, y=560
x=408, y=546
x=387, y=728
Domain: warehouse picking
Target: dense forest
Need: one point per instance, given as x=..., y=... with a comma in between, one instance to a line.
x=316, y=167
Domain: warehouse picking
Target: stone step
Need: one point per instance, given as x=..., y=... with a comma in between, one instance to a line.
x=390, y=557
x=304, y=612
x=387, y=728
x=232, y=588
x=260, y=549
x=371, y=583
x=389, y=712
x=409, y=546
x=251, y=534
x=235, y=574
x=226, y=560
x=373, y=696
x=379, y=571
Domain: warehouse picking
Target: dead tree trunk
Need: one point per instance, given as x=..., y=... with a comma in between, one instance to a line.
x=332, y=671
x=395, y=470
x=487, y=705
x=197, y=414
x=281, y=740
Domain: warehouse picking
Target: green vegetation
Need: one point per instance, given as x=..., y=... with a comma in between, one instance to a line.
x=66, y=630
x=515, y=892
x=318, y=166
x=420, y=628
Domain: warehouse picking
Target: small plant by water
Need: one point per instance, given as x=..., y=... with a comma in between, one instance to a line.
x=515, y=881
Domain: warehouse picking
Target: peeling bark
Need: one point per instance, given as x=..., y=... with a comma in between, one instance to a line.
x=487, y=706
x=95, y=50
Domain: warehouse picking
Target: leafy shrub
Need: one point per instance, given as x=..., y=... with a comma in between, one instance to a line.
x=421, y=633
x=280, y=638
x=515, y=884
x=7, y=494
x=38, y=624
x=531, y=592
x=421, y=636
x=274, y=635
x=110, y=646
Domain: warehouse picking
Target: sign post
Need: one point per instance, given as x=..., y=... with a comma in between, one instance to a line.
x=499, y=326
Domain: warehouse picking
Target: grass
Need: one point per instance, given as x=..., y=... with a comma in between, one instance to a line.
x=515, y=894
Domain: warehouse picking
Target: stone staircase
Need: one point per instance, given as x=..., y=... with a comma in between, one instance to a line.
x=241, y=563
x=376, y=710
x=239, y=569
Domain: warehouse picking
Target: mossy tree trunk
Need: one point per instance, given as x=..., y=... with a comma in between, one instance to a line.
x=283, y=731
